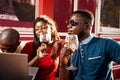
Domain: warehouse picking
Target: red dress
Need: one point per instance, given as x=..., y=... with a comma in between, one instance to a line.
x=47, y=67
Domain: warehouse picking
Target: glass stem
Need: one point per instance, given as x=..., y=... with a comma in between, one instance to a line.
x=71, y=63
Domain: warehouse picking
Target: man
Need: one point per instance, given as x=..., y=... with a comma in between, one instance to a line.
x=94, y=55
x=9, y=41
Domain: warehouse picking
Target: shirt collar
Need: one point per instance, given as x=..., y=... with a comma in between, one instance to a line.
x=87, y=40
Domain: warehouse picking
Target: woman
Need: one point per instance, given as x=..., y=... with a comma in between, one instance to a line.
x=39, y=52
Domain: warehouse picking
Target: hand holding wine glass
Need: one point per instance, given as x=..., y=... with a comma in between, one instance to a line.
x=45, y=38
x=72, y=43
x=42, y=50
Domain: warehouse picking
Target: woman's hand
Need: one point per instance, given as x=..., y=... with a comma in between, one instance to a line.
x=39, y=54
x=54, y=50
x=41, y=50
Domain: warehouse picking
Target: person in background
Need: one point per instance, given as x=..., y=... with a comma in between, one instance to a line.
x=39, y=52
x=9, y=41
x=94, y=55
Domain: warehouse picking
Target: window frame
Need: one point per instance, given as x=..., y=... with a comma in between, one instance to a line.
x=101, y=29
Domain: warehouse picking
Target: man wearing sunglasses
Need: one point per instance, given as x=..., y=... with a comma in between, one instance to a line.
x=94, y=55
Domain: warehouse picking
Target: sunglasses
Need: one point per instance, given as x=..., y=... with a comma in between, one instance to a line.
x=75, y=23
x=72, y=23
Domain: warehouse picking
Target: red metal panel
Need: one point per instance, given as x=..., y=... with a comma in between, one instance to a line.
x=89, y=5
x=12, y=23
x=46, y=7
x=62, y=12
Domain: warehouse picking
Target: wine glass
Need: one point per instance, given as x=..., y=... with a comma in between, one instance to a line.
x=45, y=34
x=45, y=38
x=43, y=50
x=72, y=42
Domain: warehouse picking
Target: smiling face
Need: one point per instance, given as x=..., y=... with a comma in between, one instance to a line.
x=43, y=31
x=46, y=25
x=38, y=28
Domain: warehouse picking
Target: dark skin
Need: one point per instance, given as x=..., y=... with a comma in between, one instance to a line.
x=83, y=31
x=9, y=40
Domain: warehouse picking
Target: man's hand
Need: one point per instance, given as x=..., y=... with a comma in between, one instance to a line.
x=65, y=54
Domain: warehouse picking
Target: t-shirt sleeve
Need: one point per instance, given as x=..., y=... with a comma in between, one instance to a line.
x=113, y=49
x=28, y=49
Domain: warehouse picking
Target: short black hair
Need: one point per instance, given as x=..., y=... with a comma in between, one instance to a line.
x=10, y=34
x=89, y=17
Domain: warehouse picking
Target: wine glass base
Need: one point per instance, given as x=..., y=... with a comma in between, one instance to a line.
x=71, y=68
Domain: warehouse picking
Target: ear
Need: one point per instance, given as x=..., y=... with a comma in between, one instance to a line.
x=18, y=43
x=88, y=26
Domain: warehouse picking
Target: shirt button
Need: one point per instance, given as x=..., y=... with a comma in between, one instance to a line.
x=81, y=49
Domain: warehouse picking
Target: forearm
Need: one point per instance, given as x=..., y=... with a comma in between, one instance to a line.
x=33, y=61
x=63, y=73
x=64, y=57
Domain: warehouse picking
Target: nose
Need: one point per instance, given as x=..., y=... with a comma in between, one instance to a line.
x=39, y=31
x=69, y=29
x=5, y=50
x=69, y=26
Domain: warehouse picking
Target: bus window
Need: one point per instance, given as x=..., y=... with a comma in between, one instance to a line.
x=109, y=16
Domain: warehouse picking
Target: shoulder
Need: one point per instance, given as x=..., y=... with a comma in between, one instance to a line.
x=28, y=47
x=29, y=43
x=104, y=40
